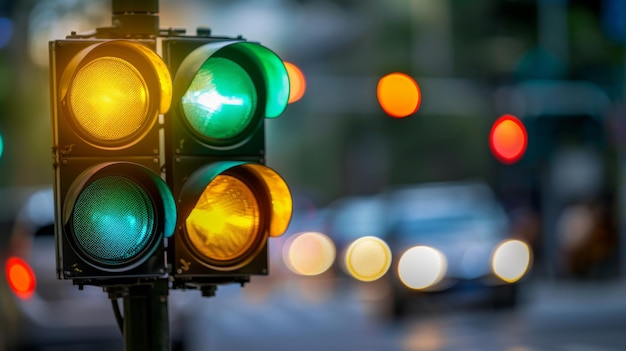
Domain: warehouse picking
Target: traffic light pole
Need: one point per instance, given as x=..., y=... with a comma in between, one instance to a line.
x=145, y=324
x=136, y=17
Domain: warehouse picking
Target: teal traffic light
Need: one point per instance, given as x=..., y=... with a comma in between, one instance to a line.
x=229, y=202
x=113, y=210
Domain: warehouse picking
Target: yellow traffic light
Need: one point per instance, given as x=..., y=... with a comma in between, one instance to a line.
x=224, y=228
x=100, y=102
x=113, y=91
x=228, y=210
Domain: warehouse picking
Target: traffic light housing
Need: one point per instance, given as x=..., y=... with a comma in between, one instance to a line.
x=112, y=207
x=228, y=201
x=159, y=163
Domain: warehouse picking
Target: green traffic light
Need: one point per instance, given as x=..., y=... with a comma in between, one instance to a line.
x=274, y=73
x=221, y=99
x=113, y=219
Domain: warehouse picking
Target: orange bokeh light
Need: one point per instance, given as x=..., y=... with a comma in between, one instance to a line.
x=508, y=139
x=297, y=82
x=398, y=95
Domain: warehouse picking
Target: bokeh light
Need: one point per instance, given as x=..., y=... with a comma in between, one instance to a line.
x=309, y=253
x=511, y=260
x=6, y=31
x=508, y=139
x=297, y=82
x=421, y=267
x=426, y=335
x=1, y=145
x=368, y=258
x=398, y=95
x=20, y=277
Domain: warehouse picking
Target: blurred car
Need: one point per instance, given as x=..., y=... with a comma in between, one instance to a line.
x=39, y=310
x=452, y=238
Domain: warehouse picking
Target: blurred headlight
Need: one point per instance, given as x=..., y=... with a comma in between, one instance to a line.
x=309, y=253
x=511, y=260
x=368, y=258
x=421, y=267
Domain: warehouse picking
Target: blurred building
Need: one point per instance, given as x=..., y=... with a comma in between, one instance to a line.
x=473, y=61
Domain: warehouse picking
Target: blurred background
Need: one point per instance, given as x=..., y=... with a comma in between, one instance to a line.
x=370, y=186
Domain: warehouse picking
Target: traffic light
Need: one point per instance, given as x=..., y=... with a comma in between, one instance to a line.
x=112, y=207
x=228, y=201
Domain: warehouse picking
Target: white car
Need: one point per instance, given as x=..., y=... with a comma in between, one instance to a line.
x=452, y=237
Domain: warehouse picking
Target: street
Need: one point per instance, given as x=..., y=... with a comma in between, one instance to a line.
x=553, y=317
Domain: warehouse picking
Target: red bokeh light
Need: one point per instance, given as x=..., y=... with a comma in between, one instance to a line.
x=508, y=139
x=20, y=277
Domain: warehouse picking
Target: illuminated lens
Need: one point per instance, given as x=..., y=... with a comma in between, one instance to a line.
x=109, y=99
x=280, y=198
x=224, y=224
x=113, y=219
x=221, y=99
x=20, y=277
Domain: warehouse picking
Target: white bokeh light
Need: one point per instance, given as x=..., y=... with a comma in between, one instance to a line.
x=421, y=267
x=511, y=260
